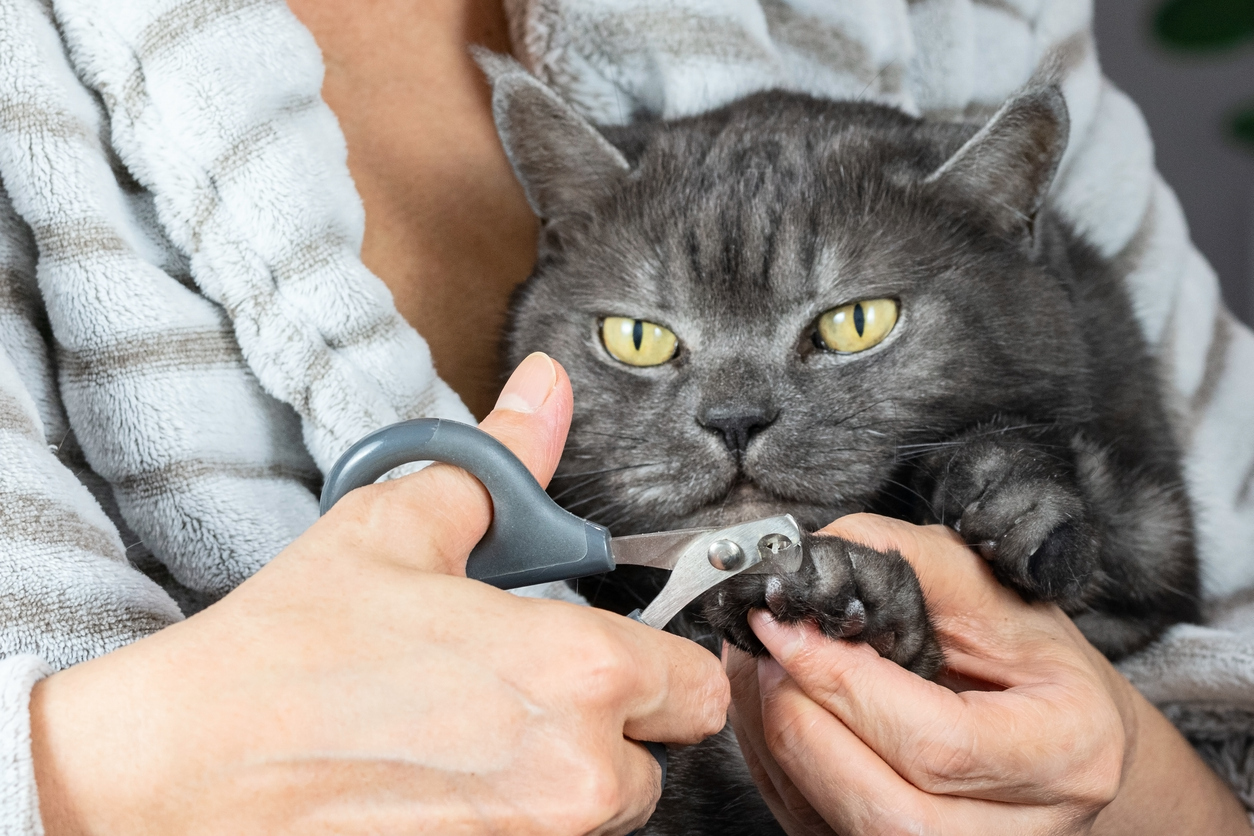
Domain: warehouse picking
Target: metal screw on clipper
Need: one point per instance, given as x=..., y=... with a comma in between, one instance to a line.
x=725, y=555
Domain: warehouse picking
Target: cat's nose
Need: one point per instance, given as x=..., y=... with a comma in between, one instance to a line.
x=738, y=423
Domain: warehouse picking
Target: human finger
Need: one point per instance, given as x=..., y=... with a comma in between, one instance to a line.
x=852, y=788
x=787, y=804
x=432, y=519
x=669, y=689
x=532, y=414
x=531, y=418
x=992, y=638
x=637, y=789
x=1019, y=745
x=807, y=740
x=847, y=783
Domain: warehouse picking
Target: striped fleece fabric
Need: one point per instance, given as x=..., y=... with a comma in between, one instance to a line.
x=188, y=338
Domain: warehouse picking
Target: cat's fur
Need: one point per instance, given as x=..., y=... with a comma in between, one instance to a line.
x=1015, y=399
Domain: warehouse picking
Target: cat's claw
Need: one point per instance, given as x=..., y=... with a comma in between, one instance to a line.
x=1022, y=511
x=848, y=590
x=855, y=619
x=774, y=595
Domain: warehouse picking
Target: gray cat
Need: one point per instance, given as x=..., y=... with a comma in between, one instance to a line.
x=815, y=307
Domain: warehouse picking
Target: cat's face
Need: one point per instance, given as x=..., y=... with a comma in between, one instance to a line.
x=766, y=309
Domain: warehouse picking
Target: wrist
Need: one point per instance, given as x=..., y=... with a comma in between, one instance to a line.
x=56, y=799
x=1133, y=712
x=1165, y=788
x=96, y=731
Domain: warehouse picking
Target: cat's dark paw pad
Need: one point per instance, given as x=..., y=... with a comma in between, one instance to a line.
x=848, y=590
x=1023, y=513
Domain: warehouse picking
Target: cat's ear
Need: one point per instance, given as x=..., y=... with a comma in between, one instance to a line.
x=559, y=157
x=1011, y=162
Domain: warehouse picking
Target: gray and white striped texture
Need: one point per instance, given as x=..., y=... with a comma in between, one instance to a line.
x=187, y=326
x=189, y=336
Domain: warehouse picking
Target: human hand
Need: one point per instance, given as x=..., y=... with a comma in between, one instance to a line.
x=357, y=684
x=1029, y=730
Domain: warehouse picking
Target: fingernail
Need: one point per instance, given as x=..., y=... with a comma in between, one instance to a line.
x=770, y=674
x=781, y=639
x=530, y=384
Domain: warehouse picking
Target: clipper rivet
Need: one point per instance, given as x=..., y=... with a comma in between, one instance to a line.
x=725, y=555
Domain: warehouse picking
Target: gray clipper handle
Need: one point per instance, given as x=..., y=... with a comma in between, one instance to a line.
x=531, y=539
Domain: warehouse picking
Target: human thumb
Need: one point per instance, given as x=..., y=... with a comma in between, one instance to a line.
x=431, y=519
x=532, y=414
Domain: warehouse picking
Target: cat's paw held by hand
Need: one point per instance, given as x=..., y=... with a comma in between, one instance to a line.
x=849, y=590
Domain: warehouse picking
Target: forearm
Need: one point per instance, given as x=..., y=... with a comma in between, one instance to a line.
x=1167, y=789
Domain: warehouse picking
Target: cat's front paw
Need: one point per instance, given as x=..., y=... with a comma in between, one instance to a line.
x=1019, y=505
x=849, y=590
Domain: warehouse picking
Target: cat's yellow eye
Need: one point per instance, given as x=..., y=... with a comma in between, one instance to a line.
x=857, y=326
x=637, y=342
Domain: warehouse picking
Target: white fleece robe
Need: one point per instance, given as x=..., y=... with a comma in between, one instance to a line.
x=188, y=337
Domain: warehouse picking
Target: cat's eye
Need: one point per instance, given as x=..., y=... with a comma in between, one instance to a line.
x=857, y=326
x=638, y=342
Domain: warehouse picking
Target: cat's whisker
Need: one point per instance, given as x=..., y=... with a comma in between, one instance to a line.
x=601, y=448
x=589, y=477
x=931, y=445
x=571, y=489
x=614, y=522
x=909, y=489
x=637, y=597
x=605, y=470
x=843, y=420
x=579, y=503
x=854, y=449
x=1157, y=581
x=623, y=436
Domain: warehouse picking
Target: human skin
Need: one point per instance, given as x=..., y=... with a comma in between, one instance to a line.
x=447, y=226
x=360, y=684
x=1029, y=731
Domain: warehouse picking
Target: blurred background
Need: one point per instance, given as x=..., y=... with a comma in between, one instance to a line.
x=1189, y=64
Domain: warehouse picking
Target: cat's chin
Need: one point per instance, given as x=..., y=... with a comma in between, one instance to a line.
x=746, y=502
